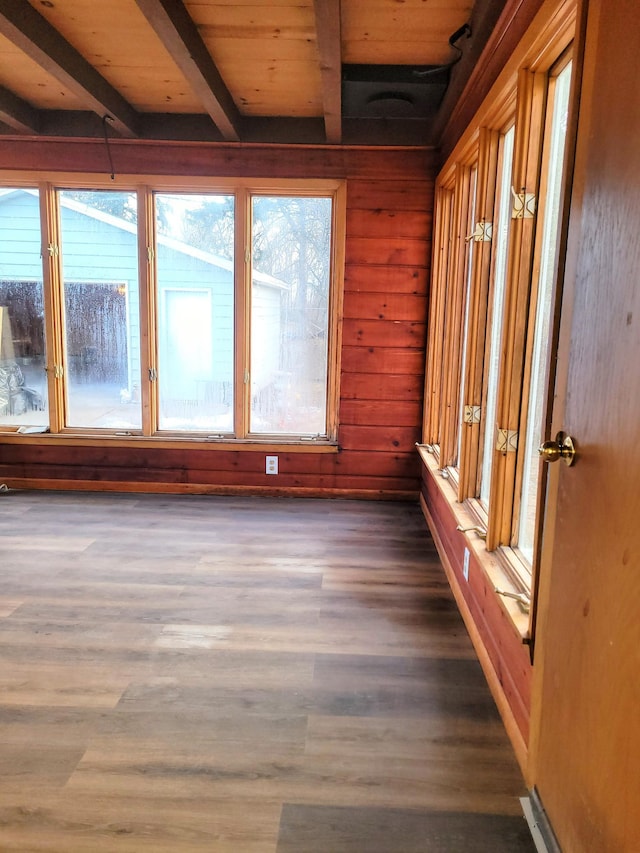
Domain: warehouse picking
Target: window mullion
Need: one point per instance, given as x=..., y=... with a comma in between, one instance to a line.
x=148, y=310
x=525, y=178
x=53, y=313
x=336, y=296
x=242, y=301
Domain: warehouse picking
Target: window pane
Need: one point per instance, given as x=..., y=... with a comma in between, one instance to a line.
x=291, y=253
x=100, y=293
x=195, y=238
x=500, y=238
x=548, y=259
x=23, y=385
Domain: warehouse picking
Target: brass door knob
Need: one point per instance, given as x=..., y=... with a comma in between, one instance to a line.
x=562, y=447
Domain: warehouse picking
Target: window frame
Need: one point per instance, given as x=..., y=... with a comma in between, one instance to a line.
x=485, y=345
x=552, y=76
x=519, y=98
x=529, y=127
x=145, y=187
x=431, y=436
x=454, y=320
x=472, y=382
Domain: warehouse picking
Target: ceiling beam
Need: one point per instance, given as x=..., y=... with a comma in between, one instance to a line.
x=18, y=114
x=72, y=125
x=329, y=41
x=181, y=37
x=33, y=34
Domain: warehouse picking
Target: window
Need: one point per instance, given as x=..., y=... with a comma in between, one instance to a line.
x=495, y=313
x=493, y=305
x=289, y=326
x=99, y=274
x=435, y=340
x=466, y=309
x=532, y=425
x=23, y=379
x=162, y=312
x=449, y=312
x=196, y=310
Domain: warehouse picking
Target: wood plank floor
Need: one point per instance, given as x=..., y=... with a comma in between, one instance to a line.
x=193, y=673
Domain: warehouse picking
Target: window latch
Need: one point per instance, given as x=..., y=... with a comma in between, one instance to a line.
x=482, y=233
x=482, y=533
x=427, y=447
x=522, y=599
x=153, y=374
x=471, y=415
x=507, y=440
x=524, y=205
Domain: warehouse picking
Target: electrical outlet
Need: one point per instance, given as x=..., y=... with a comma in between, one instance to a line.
x=271, y=466
x=465, y=564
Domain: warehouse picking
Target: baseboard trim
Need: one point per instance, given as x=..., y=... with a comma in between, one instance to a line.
x=68, y=485
x=541, y=831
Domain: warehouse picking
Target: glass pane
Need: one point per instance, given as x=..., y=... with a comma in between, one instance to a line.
x=291, y=251
x=500, y=239
x=195, y=235
x=101, y=317
x=23, y=384
x=537, y=392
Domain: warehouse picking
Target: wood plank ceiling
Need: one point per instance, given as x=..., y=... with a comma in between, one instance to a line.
x=337, y=71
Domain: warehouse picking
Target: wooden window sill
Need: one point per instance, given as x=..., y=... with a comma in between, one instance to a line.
x=492, y=563
x=170, y=442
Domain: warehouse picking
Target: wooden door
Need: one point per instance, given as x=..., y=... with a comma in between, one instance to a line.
x=585, y=747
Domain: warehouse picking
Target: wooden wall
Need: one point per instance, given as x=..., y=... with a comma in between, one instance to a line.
x=389, y=206
x=502, y=653
x=585, y=746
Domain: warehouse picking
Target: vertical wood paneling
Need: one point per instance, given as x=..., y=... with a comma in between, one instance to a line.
x=387, y=252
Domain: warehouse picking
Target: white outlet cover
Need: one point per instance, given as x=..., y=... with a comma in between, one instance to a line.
x=271, y=464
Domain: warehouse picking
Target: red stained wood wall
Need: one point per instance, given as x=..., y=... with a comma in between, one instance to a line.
x=507, y=655
x=388, y=232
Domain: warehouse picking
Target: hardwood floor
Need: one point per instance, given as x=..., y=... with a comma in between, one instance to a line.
x=191, y=673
